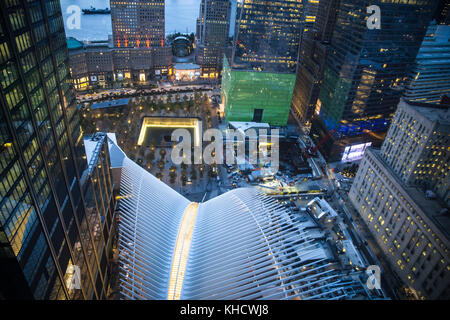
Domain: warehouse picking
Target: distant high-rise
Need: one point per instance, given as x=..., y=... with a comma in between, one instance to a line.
x=138, y=23
x=443, y=13
x=365, y=72
x=312, y=57
x=417, y=147
x=310, y=10
x=138, y=52
x=258, y=80
x=213, y=28
x=56, y=209
x=402, y=193
x=429, y=78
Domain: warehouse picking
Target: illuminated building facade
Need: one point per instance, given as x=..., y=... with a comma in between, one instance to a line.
x=138, y=52
x=429, y=79
x=213, y=28
x=214, y=22
x=310, y=10
x=55, y=207
x=402, y=193
x=366, y=70
x=186, y=71
x=138, y=23
x=258, y=80
x=417, y=147
x=99, y=65
x=312, y=57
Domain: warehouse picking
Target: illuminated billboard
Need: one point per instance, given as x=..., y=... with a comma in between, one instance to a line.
x=355, y=152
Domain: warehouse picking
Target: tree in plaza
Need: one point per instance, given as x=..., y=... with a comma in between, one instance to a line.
x=197, y=108
x=175, y=107
x=190, y=102
x=162, y=152
x=200, y=169
x=193, y=174
x=142, y=151
x=161, y=164
x=183, y=178
x=159, y=175
x=150, y=156
x=185, y=107
x=159, y=104
x=173, y=176
x=212, y=171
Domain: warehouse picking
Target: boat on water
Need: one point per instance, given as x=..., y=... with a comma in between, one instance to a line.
x=92, y=10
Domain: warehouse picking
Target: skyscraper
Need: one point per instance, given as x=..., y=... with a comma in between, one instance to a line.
x=402, y=193
x=366, y=69
x=138, y=23
x=258, y=80
x=443, y=13
x=56, y=209
x=429, y=78
x=312, y=57
x=213, y=27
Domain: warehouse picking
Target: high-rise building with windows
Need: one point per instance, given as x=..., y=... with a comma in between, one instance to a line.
x=138, y=23
x=429, y=79
x=213, y=28
x=312, y=57
x=443, y=13
x=258, y=80
x=310, y=10
x=136, y=54
x=56, y=203
x=366, y=70
x=402, y=193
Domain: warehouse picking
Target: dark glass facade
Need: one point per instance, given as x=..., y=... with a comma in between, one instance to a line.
x=366, y=69
x=213, y=28
x=214, y=22
x=48, y=227
x=429, y=78
x=312, y=57
x=267, y=35
x=138, y=23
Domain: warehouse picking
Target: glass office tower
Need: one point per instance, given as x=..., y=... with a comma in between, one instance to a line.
x=429, y=79
x=366, y=70
x=312, y=58
x=138, y=23
x=213, y=28
x=263, y=61
x=55, y=209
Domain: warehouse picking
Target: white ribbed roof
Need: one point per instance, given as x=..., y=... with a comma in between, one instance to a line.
x=240, y=245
